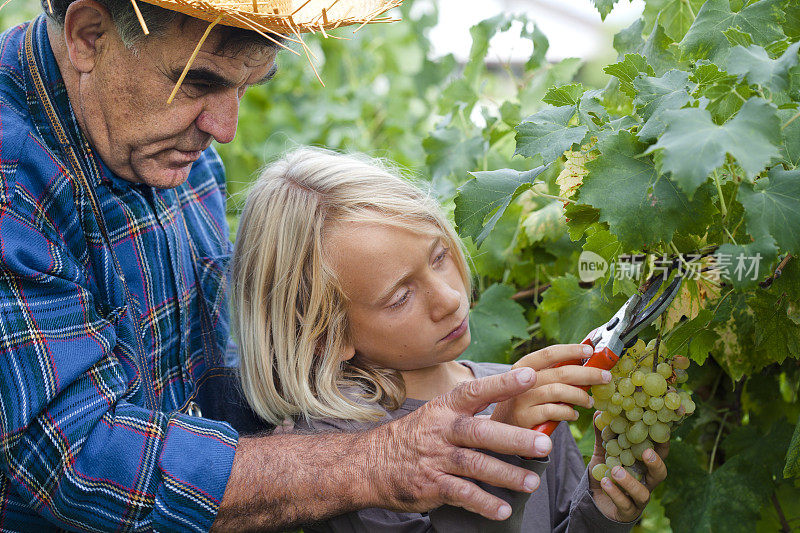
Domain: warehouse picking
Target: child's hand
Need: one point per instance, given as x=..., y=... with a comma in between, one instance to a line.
x=624, y=498
x=554, y=388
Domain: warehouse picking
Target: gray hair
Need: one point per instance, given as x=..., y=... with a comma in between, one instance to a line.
x=158, y=21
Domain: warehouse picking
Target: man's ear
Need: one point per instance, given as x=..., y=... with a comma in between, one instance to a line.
x=86, y=27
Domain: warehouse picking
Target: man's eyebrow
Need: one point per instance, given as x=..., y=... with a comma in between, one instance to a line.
x=206, y=76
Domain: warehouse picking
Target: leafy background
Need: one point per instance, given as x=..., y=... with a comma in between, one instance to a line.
x=688, y=141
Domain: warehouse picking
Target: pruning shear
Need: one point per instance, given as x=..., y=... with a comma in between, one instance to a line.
x=612, y=338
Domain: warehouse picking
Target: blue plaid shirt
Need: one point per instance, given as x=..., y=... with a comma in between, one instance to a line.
x=103, y=335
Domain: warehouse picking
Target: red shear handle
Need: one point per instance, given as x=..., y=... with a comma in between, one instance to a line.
x=604, y=359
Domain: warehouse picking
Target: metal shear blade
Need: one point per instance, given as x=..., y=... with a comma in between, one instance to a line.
x=646, y=312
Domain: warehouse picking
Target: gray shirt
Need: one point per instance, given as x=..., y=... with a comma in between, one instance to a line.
x=562, y=502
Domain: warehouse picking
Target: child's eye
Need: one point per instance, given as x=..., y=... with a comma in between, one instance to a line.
x=439, y=258
x=403, y=299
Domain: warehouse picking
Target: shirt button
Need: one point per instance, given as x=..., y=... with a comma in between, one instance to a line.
x=194, y=410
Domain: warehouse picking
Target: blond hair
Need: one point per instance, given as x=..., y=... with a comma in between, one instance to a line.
x=289, y=311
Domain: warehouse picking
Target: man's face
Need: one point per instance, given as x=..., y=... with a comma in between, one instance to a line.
x=122, y=102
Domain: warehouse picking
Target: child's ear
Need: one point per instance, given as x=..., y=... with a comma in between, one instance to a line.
x=349, y=352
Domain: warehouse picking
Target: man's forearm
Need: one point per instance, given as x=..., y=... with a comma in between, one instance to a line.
x=282, y=481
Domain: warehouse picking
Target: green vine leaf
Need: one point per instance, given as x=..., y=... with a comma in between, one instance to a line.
x=449, y=153
x=568, y=312
x=490, y=192
x=737, y=37
x=641, y=207
x=772, y=207
x=705, y=38
x=751, y=137
x=777, y=335
x=548, y=134
x=677, y=17
x=724, y=92
x=656, y=95
x=728, y=499
x=494, y=321
x=792, y=467
x=658, y=50
x=628, y=70
x=564, y=95
x=604, y=7
x=754, y=63
x=629, y=40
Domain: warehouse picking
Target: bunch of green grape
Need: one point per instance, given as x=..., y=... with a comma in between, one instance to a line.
x=639, y=407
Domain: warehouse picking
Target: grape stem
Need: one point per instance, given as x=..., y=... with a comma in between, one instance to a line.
x=658, y=340
x=716, y=443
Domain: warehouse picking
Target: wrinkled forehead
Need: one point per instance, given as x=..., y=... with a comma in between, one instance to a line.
x=225, y=41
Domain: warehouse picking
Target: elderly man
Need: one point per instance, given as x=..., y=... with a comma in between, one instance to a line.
x=112, y=301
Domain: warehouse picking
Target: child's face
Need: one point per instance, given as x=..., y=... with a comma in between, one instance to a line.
x=408, y=304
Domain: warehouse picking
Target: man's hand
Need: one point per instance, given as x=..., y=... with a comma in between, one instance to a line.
x=624, y=498
x=556, y=390
x=422, y=458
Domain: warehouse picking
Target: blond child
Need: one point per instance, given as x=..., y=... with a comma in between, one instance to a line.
x=351, y=306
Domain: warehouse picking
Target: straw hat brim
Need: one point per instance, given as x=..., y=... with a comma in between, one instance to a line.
x=284, y=17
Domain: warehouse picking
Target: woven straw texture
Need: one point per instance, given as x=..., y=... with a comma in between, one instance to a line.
x=283, y=16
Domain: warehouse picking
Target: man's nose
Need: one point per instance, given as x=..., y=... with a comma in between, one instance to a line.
x=444, y=300
x=220, y=116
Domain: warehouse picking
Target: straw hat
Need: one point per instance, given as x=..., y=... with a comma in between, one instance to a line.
x=283, y=16
x=269, y=18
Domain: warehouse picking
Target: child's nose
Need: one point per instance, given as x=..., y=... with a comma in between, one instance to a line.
x=445, y=300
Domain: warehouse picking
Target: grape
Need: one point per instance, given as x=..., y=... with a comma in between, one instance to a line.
x=614, y=409
x=664, y=370
x=628, y=403
x=655, y=384
x=664, y=415
x=656, y=403
x=601, y=405
x=690, y=407
x=639, y=448
x=637, y=432
x=602, y=421
x=637, y=378
x=627, y=458
x=613, y=448
x=623, y=441
x=634, y=473
x=681, y=362
x=650, y=417
x=616, y=398
x=607, y=434
x=647, y=362
x=634, y=414
x=603, y=392
x=681, y=376
x=599, y=471
x=659, y=432
x=611, y=462
x=641, y=398
x=625, y=365
x=672, y=400
x=625, y=387
x=619, y=425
